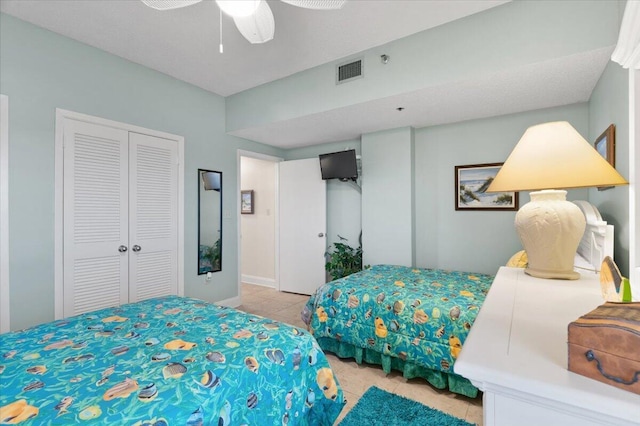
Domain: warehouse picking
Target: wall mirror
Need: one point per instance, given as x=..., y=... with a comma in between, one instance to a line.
x=209, y=221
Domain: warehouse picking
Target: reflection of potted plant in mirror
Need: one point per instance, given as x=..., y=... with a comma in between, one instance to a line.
x=212, y=255
x=343, y=260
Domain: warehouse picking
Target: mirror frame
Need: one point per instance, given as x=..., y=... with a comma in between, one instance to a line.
x=200, y=187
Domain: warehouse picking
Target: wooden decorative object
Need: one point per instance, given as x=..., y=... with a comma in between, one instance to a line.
x=603, y=345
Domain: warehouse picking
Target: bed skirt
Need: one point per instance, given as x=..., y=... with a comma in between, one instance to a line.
x=410, y=370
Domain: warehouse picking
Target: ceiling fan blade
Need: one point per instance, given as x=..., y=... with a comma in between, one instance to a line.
x=317, y=4
x=238, y=8
x=169, y=4
x=259, y=27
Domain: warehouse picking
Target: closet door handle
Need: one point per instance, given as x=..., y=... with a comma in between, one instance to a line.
x=136, y=248
x=122, y=249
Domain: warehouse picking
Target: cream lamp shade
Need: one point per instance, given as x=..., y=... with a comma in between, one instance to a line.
x=548, y=158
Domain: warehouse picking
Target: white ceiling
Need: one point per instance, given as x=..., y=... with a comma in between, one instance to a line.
x=183, y=43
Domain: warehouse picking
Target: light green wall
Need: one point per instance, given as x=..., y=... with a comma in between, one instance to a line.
x=315, y=150
x=509, y=36
x=41, y=71
x=483, y=241
x=609, y=104
x=444, y=238
x=472, y=241
x=387, y=197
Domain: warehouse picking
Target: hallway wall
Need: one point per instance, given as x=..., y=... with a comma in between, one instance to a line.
x=258, y=229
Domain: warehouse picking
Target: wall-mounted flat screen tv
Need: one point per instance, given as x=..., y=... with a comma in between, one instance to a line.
x=339, y=165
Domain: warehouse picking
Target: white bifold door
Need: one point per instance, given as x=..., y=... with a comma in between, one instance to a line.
x=120, y=217
x=303, y=221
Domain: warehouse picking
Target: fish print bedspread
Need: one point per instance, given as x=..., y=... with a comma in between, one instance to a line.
x=420, y=315
x=166, y=361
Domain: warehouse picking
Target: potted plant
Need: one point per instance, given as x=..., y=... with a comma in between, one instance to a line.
x=342, y=259
x=211, y=255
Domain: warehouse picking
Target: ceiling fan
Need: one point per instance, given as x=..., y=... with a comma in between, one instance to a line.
x=253, y=18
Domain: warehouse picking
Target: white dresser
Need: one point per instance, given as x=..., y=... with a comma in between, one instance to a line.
x=516, y=353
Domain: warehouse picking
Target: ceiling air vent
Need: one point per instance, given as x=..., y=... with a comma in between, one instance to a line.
x=349, y=71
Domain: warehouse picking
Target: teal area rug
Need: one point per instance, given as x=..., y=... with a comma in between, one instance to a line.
x=379, y=407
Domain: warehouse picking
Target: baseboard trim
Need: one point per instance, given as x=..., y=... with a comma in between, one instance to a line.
x=232, y=302
x=265, y=282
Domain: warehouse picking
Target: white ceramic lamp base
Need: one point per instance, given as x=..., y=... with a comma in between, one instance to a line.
x=550, y=229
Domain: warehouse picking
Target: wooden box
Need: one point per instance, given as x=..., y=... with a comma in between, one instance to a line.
x=605, y=345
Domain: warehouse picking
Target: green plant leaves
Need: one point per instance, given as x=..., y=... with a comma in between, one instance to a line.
x=343, y=260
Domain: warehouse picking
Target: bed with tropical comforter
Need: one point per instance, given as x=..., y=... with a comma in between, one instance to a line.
x=166, y=361
x=406, y=319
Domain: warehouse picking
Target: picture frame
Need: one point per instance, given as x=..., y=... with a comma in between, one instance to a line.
x=605, y=144
x=246, y=201
x=471, y=182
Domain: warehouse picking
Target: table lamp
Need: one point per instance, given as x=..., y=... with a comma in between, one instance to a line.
x=548, y=157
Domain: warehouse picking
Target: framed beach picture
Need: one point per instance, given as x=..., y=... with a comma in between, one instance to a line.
x=246, y=202
x=472, y=182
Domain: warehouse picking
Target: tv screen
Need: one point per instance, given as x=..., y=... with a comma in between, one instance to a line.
x=211, y=181
x=339, y=165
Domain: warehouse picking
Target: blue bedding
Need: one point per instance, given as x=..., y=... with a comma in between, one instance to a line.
x=413, y=320
x=166, y=361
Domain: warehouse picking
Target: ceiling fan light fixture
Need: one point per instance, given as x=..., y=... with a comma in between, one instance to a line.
x=259, y=27
x=317, y=4
x=169, y=4
x=238, y=8
x=253, y=18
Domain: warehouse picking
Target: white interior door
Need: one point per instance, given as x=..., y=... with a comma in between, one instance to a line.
x=119, y=213
x=153, y=217
x=95, y=203
x=303, y=211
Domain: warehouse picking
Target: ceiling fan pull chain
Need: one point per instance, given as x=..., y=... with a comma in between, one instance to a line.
x=221, y=47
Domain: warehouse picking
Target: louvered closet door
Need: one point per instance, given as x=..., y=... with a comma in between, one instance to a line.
x=95, y=217
x=153, y=226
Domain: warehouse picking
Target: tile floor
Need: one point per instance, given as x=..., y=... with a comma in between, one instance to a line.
x=356, y=379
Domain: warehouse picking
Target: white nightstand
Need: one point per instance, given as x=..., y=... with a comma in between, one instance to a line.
x=516, y=353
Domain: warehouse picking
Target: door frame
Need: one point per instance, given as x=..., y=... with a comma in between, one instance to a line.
x=5, y=289
x=634, y=180
x=251, y=154
x=58, y=253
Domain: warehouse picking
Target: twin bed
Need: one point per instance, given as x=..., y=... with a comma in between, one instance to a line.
x=166, y=361
x=411, y=320
x=416, y=320
x=182, y=361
